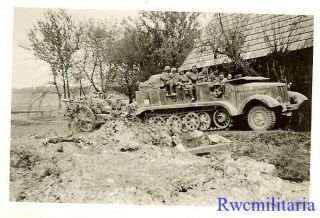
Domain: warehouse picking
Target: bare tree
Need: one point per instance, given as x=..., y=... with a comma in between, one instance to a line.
x=226, y=36
x=95, y=59
x=53, y=40
x=279, y=35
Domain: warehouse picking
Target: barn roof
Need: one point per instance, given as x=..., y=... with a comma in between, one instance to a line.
x=261, y=31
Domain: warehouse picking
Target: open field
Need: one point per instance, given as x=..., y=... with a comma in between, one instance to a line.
x=20, y=101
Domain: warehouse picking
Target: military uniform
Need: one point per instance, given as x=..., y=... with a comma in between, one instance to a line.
x=193, y=77
x=212, y=78
x=156, y=81
x=184, y=79
x=166, y=79
x=219, y=87
x=70, y=112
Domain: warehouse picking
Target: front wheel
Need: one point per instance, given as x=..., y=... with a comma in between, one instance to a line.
x=261, y=118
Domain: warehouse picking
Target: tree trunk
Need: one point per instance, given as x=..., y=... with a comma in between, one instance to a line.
x=80, y=88
x=64, y=87
x=101, y=77
x=130, y=94
x=67, y=83
x=58, y=91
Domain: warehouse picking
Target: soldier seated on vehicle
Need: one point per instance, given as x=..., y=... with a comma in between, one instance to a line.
x=222, y=80
x=229, y=77
x=156, y=81
x=212, y=77
x=193, y=76
x=183, y=79
x=185, y=83
x=203, y=75
x=145, y=85
x=174, y=81
x=166, y=78
x=218, y=87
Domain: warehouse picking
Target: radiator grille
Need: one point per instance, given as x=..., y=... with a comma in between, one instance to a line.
x=283, y=93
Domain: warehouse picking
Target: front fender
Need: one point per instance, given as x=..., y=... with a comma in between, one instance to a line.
x=265, y=99
x=232, y=110
x=299, y=97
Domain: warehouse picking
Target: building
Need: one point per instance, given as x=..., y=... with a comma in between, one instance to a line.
x=286, y=40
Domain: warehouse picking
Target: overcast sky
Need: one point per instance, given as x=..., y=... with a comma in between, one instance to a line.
x=29, y=72
x=26, y=70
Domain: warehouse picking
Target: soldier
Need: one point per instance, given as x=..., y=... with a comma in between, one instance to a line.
x=175, y=79
x=187, y=84
x=219, y=86
x=203, y=75
x=157, y=81
x=145, y=85
x=70, y=112
x=167, y=80
x=222, y=80
x=183, y=78
x=229, y=77
x=212, y=76
x=193, y=76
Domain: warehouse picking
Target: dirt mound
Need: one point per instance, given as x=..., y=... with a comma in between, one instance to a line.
x=132, y=163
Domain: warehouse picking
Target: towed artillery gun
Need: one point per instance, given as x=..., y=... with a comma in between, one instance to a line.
x=262, y=103
x=89, y=111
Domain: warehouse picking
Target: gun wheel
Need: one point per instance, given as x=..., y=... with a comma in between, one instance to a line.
x=85, y=119
x=192, y=121
x=221, y=118
x=205, y=121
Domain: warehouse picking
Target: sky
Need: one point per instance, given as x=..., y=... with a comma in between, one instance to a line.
x=26, y=70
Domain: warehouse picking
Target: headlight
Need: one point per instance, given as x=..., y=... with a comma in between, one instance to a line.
x=293, y=100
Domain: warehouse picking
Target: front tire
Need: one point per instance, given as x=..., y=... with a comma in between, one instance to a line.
x=261, y=118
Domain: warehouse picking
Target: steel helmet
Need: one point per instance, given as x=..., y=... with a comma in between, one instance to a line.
x=167, y=68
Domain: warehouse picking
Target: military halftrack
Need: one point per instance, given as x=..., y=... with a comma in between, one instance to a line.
x=262, y=103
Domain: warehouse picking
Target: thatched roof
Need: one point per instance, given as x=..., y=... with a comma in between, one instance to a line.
x=261, y=31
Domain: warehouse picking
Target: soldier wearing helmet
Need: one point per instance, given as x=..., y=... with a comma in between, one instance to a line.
x=166, y=78
x=193, y=76
x=175, y=79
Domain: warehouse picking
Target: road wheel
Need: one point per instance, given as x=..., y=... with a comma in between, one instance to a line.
x=183, y=125
x=174, y=123
x=156, y=120
x=192, y=121
x=205, y=121
x=221, y=118
x=85, y=119
x=261, y=118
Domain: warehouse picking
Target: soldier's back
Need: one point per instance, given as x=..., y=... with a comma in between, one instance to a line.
x=156, y=81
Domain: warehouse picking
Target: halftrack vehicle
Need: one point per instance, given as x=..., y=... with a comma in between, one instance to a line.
x=262, y=103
